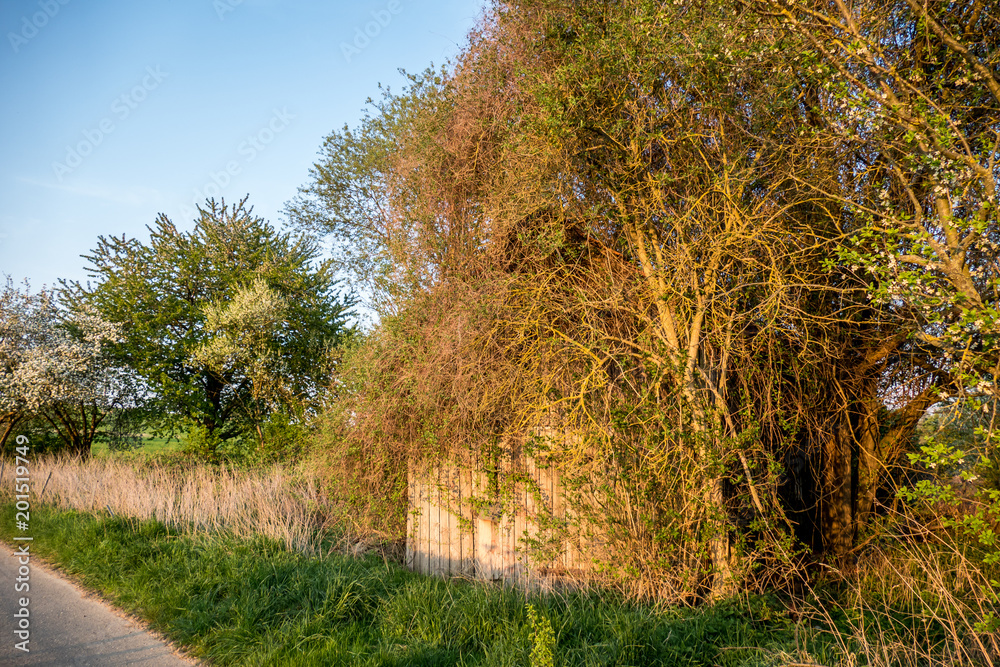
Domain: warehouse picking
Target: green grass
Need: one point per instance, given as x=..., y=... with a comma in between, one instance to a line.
x=151, y=446
x=249, y=601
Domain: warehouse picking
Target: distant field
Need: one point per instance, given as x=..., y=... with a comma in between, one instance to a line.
x=150, y=446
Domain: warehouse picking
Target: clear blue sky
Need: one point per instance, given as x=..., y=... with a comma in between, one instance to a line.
x=114, y=111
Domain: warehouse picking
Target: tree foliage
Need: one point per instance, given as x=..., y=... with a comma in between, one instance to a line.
x=55, y=368
x=737, y=249
x=191, y=308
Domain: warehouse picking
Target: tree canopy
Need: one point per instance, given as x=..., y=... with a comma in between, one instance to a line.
x=189, y=306
x=55, y=366
x=739, y=249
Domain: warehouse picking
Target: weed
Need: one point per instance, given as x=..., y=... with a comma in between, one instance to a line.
x=543, y=639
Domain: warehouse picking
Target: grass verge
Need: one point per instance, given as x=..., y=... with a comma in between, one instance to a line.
x=251, y=601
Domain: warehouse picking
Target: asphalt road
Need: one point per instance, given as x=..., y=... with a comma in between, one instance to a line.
x=69, y=627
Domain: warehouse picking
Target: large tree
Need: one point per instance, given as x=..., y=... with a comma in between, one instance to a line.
x=665, y=212
x=603, y=181
x=180, y=291
x=904, y=97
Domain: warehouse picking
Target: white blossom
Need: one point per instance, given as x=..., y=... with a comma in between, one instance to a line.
x=47, y=355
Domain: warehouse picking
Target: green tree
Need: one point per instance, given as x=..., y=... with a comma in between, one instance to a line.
x=245, y=333
x=910, y=97
x=178, y=302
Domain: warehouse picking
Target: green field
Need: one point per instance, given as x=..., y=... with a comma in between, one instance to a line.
x=151, y=446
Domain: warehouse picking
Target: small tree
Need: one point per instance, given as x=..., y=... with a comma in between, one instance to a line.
x=54, y=365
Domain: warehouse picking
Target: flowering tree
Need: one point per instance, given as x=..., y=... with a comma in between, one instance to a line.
x=916, y=84
x=245, y=340
x=53, y=365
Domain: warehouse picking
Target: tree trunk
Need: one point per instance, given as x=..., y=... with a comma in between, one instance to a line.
x=878, y=452
x=835, y=502
x=9, y=426
x=81, y=448
x=723, y=576
x=870, y=463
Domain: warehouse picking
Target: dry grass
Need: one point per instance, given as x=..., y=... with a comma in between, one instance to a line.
x=911, y=604
x=275, y=502
x=941, y=592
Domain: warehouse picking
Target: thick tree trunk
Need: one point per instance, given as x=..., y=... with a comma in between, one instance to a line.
x=870, y=463
x=878, y=451
x=81, y=448
x=836, y=516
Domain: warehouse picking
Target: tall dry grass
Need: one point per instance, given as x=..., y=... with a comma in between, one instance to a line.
x=945, y=593
x=912, y=602
x=276, y=502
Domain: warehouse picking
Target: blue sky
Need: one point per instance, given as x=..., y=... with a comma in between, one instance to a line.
x=115, y=111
